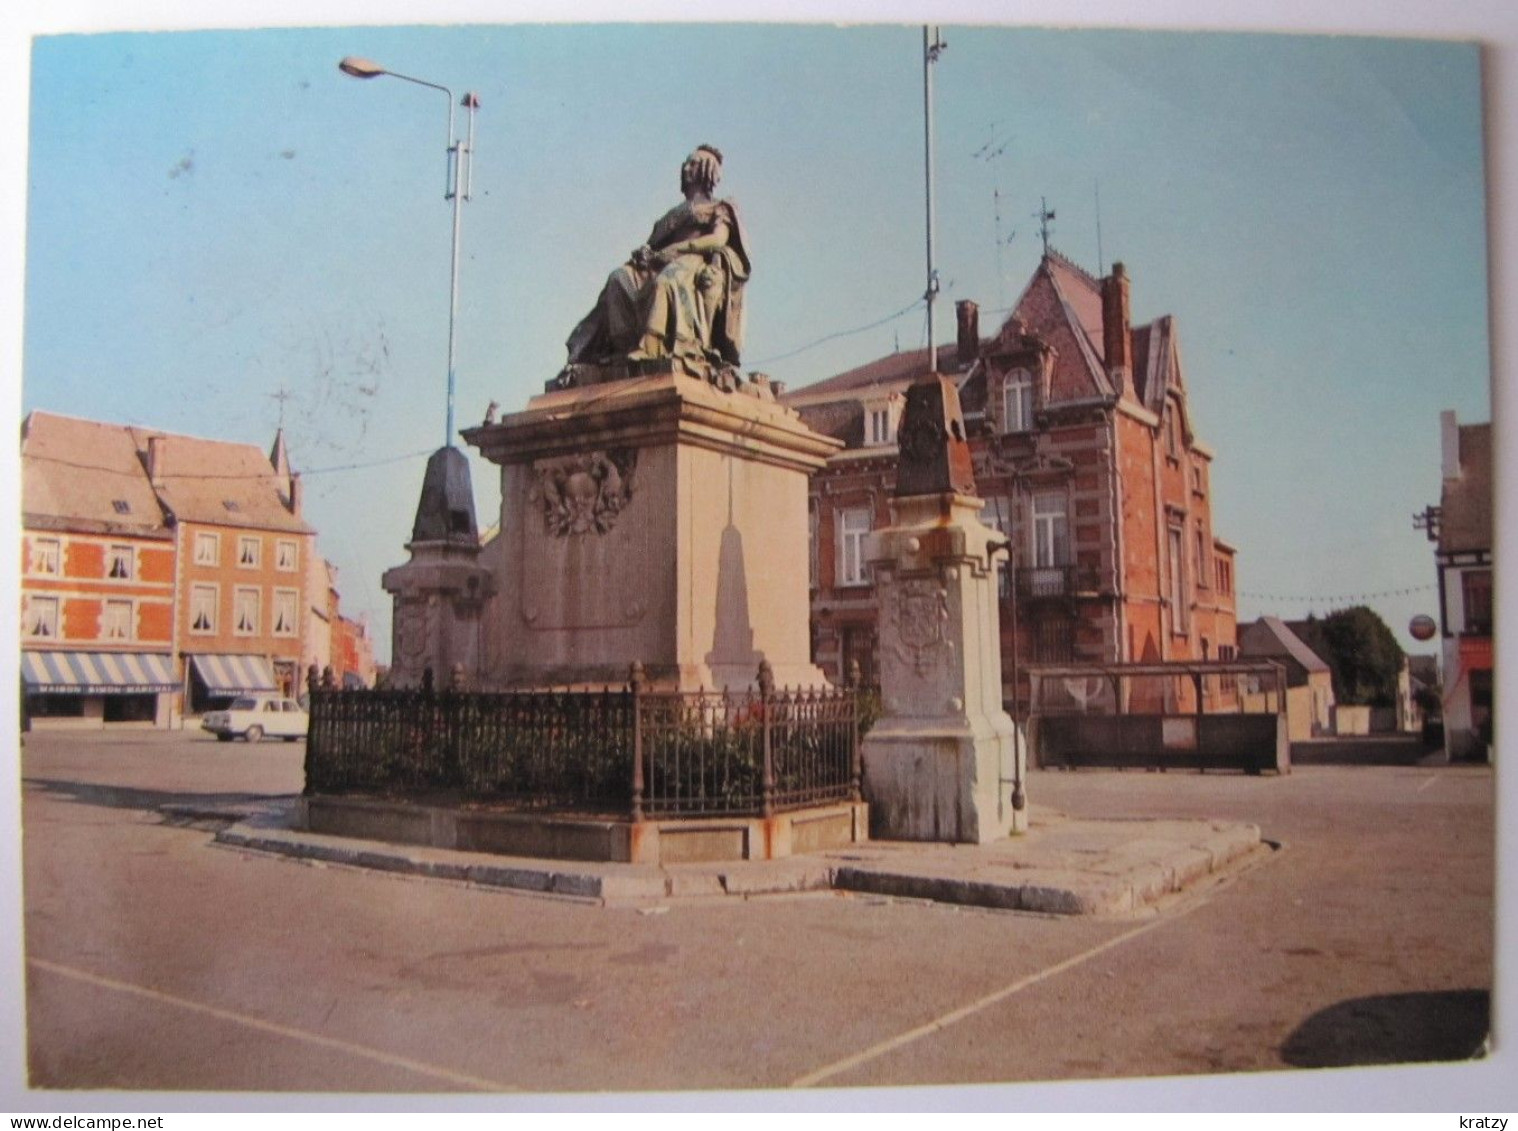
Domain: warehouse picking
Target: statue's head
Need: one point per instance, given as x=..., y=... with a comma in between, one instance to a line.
x=702, y=170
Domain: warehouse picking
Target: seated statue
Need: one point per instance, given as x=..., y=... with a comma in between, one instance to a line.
x=680, y=295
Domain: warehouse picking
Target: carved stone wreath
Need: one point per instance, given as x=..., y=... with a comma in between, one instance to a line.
x=583, y=494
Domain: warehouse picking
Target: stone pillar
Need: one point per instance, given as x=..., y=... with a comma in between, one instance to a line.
x=653, y=519
x=441, y=593
x=944, y=761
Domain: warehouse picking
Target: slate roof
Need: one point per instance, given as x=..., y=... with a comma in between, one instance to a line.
x=1466, y=504
x=1062, y=305
x=892, y=373
x=1270, y=636
x=86, y=476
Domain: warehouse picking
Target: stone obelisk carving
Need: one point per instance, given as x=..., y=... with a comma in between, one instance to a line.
x=943, y=762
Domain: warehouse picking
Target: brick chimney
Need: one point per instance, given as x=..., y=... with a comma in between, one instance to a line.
x=1449, y=445
x=969, y=332
x=155, y=460
x=1117, y=334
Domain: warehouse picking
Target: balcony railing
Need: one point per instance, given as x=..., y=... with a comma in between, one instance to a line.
x=1035, y=582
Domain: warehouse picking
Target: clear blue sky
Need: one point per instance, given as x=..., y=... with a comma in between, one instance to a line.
x=216, y=216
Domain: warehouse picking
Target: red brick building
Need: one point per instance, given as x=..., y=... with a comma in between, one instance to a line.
x=1088, y=459
x=97, y=578
x=160, y=573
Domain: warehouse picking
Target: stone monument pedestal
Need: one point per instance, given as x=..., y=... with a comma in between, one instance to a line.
x=944, y=760
x=654, y=519
x=440, y=594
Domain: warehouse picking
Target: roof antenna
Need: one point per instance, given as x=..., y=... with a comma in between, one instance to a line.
x=1043, y=216
x=989, y=153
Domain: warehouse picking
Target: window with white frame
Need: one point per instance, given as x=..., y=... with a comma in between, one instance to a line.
x=118, y=563
x=42, y=618
x=47, y=556
x=245, y=611
x=203, y=601
x=116, y=620
x=1172, y=437
x=880, y=426
x=1177, y=582
x=286, y=608
x=207, y=548
x=853, y=526
x=249, y=552
x=286, y=555
x=1017, y=402
x=1051, y=530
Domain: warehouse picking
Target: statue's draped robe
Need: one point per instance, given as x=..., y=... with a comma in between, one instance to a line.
x=691, y=308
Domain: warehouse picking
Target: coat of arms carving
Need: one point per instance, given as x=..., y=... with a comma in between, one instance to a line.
x=921, y=612
x=583, y=494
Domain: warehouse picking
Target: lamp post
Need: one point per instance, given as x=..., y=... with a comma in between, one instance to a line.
x=456, y=188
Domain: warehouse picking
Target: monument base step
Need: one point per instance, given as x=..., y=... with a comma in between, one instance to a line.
x=556, y=836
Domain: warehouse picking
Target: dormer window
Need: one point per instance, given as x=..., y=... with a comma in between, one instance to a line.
x=1017, y=402
x=880, y=420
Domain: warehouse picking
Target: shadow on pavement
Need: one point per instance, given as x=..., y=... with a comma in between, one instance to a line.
x=1393, y=1029
x=170, y=804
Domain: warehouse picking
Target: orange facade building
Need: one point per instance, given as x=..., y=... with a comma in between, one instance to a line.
x=173, y=558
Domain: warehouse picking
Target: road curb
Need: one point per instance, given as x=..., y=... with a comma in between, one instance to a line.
x=1122, y=877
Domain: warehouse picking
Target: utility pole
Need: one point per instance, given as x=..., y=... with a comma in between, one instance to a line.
x=932, y=48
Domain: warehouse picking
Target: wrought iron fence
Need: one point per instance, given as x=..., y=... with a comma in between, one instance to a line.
x=631, y=750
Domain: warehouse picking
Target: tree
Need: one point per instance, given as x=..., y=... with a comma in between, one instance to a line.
x=1362, y=653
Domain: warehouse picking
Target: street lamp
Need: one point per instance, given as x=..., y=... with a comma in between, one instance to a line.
x=456, y=188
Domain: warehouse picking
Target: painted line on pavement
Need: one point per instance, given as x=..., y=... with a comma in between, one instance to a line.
x=271, y=1027
x=1426, y=784
x=1196, y=899
x=974, y=1007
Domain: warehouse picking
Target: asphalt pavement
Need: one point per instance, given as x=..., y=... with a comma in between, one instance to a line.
x=157, y=959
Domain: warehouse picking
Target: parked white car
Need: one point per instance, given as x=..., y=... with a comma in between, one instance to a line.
x=253, y=716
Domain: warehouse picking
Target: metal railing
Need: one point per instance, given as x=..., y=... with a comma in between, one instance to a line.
x=1033, y=582
x=633, y=751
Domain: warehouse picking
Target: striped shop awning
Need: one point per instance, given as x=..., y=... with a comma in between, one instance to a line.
x=86, y=673
x=232, y=675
